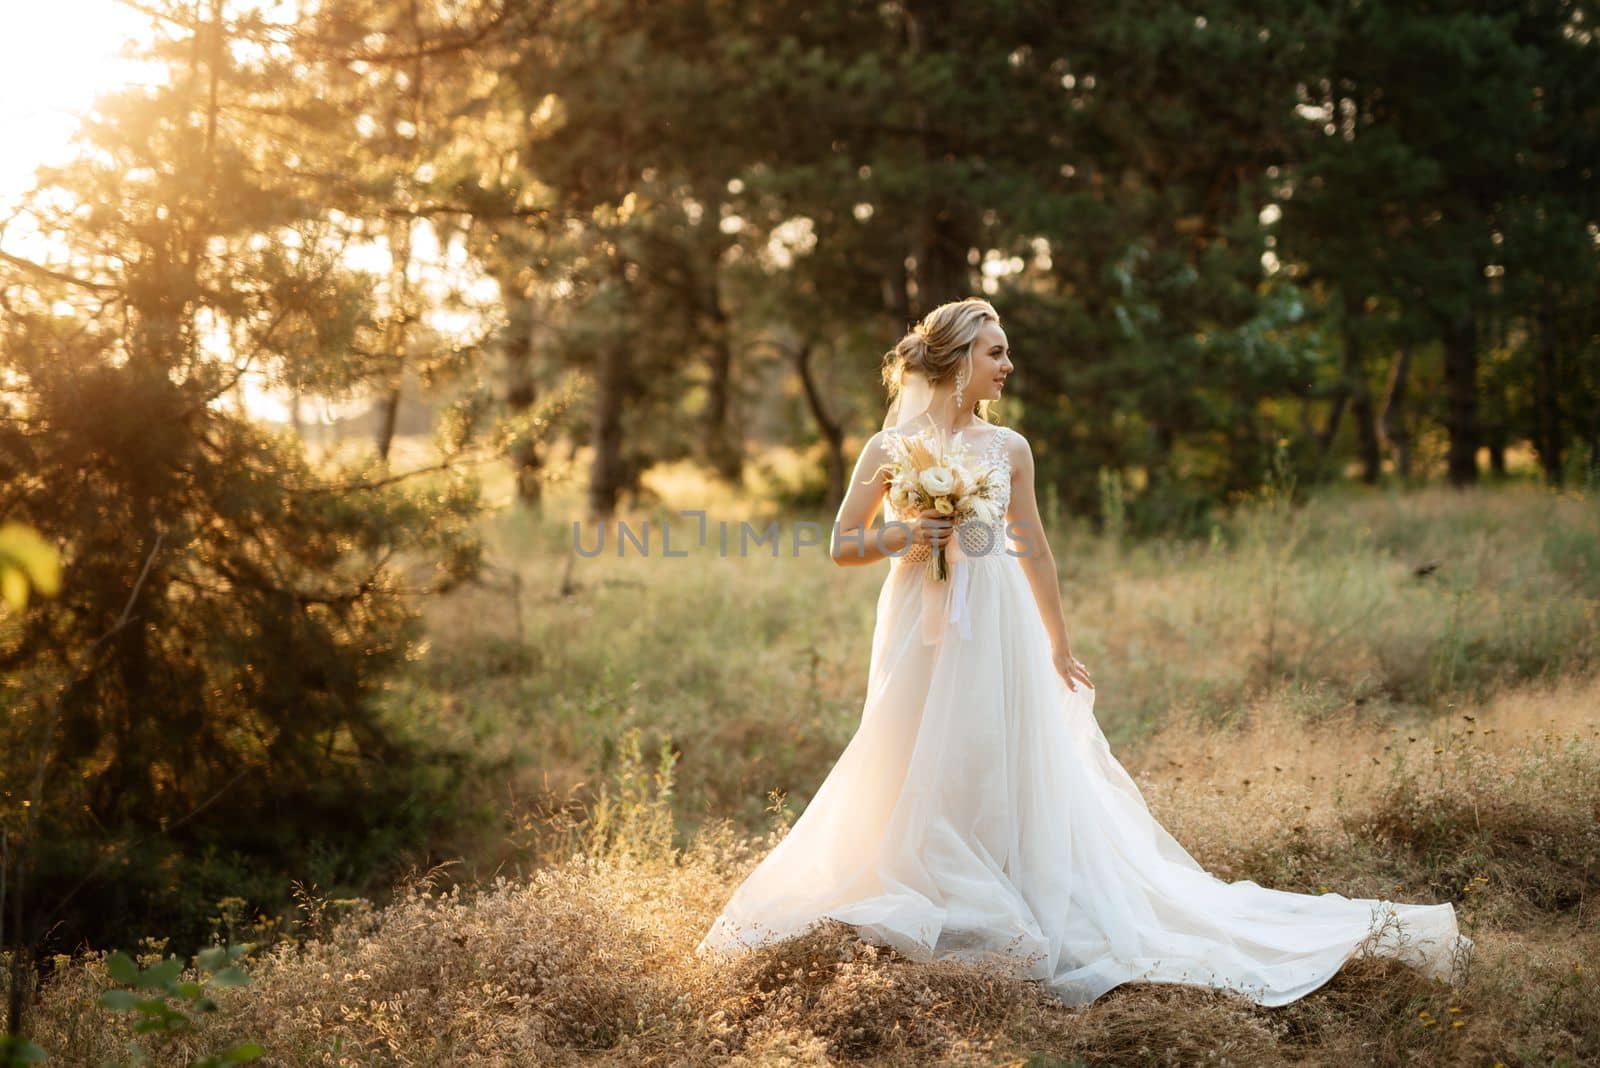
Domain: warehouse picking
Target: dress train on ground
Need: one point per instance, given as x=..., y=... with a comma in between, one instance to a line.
x=978, y=813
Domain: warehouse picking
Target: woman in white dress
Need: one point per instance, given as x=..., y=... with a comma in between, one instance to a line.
x=977, y=812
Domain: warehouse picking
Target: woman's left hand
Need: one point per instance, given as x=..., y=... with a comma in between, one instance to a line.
x=1071, y=668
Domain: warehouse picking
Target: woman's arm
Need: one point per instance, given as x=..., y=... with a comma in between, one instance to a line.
x=1038, y=562
x=853, y=541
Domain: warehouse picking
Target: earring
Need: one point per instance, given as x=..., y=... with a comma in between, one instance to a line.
x=961, y=384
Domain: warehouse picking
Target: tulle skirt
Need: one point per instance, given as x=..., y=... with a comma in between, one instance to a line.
x=977, y=813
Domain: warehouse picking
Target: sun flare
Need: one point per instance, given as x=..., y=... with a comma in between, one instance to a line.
x=55, y=59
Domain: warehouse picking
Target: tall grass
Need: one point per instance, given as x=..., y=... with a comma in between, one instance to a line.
x=1400, y=606
x=1403, y=602
x=1383, y=694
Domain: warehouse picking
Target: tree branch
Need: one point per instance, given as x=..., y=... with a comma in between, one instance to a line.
x=429, y=210
x=76, y=675
x=329, y=48
x=72, y=280
x=364, y=485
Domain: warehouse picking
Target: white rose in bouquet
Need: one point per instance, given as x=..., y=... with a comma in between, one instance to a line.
x=938, y=481
x=927, y=471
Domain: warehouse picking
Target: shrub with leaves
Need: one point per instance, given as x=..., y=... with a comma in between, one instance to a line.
x=166, y=1001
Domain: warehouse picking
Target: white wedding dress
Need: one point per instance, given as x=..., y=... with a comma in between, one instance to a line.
x=978, y=812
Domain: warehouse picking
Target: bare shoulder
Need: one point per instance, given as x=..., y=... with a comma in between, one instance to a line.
x=1017, y=448
x=886, y=441
x=876, y=450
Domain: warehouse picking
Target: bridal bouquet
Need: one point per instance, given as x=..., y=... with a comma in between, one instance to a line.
x=928, y=472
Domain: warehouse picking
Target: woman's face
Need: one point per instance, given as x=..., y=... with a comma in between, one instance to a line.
x=991, y=363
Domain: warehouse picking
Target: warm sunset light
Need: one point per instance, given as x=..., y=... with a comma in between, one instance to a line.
x=55, y=58
x=614, y=532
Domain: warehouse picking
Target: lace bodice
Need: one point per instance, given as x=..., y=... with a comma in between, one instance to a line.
x=978, y=539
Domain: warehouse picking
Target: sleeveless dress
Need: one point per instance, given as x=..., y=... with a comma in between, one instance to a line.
x=978, y=813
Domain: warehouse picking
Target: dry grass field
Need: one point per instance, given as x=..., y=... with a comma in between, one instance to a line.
x=1383, y=694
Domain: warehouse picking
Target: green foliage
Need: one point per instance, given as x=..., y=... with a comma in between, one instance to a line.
x=18, y=1050
x=637, y=821
x=1204, y=233
x=165, y=1002
x=1113, y=505
x=205, y=685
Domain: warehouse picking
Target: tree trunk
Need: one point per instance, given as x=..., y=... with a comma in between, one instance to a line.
x=832, y=432
x=521, y=392
x=721, y=444
x=1495, y=439
x=1367, y=431
x=1392, y=423
x=1461, y=398
x=400, y=238
x=399, y=235
x=1549, y=436
x=945, y=229
x=388, y=417
x=897, y=298
x=943, y=273
x=606, y=475
x=1330, y=429
x=1159, y=471
x=1355, y=372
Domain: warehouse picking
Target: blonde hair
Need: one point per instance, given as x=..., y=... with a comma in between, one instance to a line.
x=940, y=344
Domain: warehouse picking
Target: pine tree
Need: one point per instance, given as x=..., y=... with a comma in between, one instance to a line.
x=205, y=682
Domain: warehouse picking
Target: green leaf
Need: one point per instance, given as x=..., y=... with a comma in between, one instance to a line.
x=245, y=1051
x=232, y=975
x=120, y=967
x=14, y=1049
x=162, y=974
x=211, y=959
x=190, y=989
x=118, y=999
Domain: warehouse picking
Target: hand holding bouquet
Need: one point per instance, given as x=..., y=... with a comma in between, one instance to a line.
x=928, y=472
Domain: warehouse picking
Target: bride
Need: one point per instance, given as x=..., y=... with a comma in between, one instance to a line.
x=977, y=812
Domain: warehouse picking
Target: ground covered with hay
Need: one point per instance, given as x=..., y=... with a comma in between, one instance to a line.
x=1305, y=701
